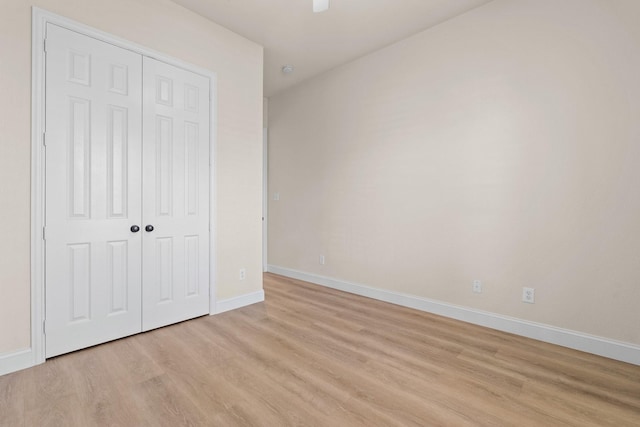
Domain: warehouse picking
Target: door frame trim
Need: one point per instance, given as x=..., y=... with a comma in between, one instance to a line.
x=39, y=20
x=265, y=198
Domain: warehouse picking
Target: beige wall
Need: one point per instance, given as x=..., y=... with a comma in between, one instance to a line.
x=168, y=28
x=503, y=145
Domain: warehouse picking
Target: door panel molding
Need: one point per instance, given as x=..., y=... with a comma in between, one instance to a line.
x=40, y=19
x=175, y=165
x=84, y=149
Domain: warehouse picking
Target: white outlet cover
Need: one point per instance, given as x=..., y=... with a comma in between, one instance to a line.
x=477, y=286
x=529, y=295
x=320, y=5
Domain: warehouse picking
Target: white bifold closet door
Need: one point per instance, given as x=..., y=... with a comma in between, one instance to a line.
x=127, y=145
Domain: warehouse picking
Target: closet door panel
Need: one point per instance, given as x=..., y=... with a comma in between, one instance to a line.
x=175, y=194
x=93, y=191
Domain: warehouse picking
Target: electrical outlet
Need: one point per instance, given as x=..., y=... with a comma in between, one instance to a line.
x=321, y=259
x=477, y=286
x=243, y=274
x=528, y=295
x=276, y=196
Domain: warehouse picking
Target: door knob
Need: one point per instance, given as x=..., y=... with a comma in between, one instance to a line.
x=149, y=227
x=135, y=228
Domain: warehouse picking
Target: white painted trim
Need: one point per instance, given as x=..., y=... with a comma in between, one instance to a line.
x=40, y=18
x=213, y=189
x=239, y=301
x=15, y=361
x=618, y=350
x=265, y=198
x=38, y=21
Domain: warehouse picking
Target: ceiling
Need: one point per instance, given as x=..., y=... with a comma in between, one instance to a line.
x=316, y=42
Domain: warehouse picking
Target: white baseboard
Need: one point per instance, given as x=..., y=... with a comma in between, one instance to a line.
x=625, y=352
x=16, y=361
x=238, y=302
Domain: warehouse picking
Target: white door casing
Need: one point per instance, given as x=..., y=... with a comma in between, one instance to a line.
x=265, y=199
x=128, y=144
x=175, y=193
x=93, y=197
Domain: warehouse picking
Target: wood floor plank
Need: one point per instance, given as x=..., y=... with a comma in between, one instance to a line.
x=160, y=402
x=12, y=404
x=99, y=390
x=577, y=408
x=64, y=411
x=128, y=362
x=46, y=384
x=589, y=379
x=313, y=356
x=196, y=379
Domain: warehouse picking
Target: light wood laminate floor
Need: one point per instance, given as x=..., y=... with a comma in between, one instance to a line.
x=312, y=356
